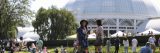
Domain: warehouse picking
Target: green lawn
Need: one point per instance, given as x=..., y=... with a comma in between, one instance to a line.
x=91, y=49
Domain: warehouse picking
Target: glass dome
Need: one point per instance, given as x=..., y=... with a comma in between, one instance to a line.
x=129, y=7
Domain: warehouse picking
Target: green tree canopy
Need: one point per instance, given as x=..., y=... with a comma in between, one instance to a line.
x=12, y=14
x=54, y=23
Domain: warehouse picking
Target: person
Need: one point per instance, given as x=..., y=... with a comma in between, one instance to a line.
x=63, y=50
x=39, y=45
x=159, y=43
x=152, y=41
x=126, y=45
x=138, y=34
x=12, y=46
x=146, y=48
x=99, y=37
x=33, y=48
x=116, y=43
x=45, y=50
x=82, y=35
x=75, y=45
x=2, y=48
x=56, y=50
x=108, y=44
x=21, y=43
x=134, y=45
x=29, y=45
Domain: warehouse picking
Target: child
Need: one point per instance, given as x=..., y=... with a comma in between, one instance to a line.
x=45, y=50
x=33, y=48
x=63, y=50
x=75, y=46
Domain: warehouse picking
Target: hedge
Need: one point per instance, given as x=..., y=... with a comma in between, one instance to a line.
x=141, y=41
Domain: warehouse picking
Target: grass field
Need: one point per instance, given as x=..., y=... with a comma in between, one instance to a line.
x=91, y=49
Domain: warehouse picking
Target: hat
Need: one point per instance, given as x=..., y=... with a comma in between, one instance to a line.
x=147, y=44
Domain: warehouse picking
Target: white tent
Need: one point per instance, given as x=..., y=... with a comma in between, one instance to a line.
x=28, y=39
x=72, y=36
x=90, y=36
x=119, y=34
x=18, y=40
x=31, y=35
x=150, y=30
x=24, y=30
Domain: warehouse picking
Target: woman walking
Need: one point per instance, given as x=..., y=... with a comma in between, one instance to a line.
x=99, y=35
x=134, y=45
x=126, y=45
x=82, y=35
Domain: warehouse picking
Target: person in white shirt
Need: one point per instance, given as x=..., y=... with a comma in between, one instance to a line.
x=126, y=45
x=99, y=37
x=152, y=41
x=108, y=45
x=134, y=45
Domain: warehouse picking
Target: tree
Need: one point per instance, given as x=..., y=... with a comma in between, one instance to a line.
x=12, y=13
x=55, y=23
x=41, y=23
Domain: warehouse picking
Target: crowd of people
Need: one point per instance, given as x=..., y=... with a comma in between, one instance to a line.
x=13, y=46
x=82, y=37
x=150, y=46
x=82, y=41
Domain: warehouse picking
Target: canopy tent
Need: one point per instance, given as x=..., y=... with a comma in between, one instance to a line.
x=24, y=30
x=90, y=36
x=119, y=34
x=31, y=35
x=17, y=40
x=150, y=31
x=28, y=39
x=72, y=36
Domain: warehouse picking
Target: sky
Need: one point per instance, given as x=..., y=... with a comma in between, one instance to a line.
x=35, y=5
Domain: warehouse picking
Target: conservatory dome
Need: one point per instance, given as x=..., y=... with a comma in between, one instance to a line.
x=110, y=8
x=116, y=15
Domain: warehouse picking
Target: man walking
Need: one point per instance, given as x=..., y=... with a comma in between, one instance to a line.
x=116, y=42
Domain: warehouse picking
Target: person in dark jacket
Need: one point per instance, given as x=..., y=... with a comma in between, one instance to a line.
x=12, y=46
x=116, y=43
x=146, y=48
x=82, y=35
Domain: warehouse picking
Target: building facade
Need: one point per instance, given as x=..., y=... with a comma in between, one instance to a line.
x=116, y=15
